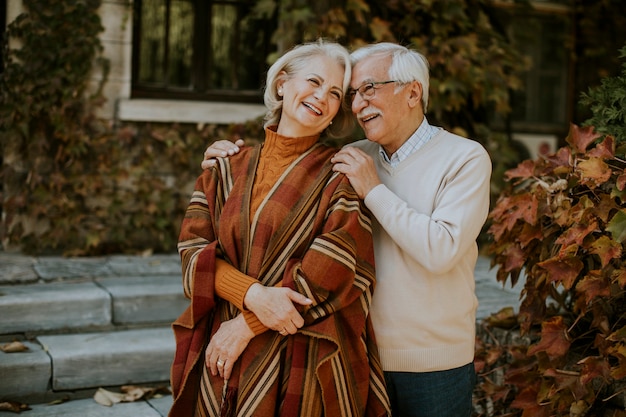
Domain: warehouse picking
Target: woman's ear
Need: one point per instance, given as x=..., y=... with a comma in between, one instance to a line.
x=280, y=81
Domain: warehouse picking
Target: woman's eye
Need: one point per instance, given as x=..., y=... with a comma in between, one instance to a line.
x=336, y=95
x=314, y=81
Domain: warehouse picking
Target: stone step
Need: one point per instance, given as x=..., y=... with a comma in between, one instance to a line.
x=96, y=303
x=55, y=364
x=87, y=407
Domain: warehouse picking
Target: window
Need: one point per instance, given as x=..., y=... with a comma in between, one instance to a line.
x=199, y=49
x=543, y=34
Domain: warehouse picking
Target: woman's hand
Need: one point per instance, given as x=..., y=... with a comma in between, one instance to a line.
x=274, y=307
x=226, y=345
x=221, y=148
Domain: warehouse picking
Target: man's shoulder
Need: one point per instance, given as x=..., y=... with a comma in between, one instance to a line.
x=365, y=145
x=460, y=143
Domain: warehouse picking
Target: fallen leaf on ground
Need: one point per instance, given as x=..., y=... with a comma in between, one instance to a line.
x=14, y=347
x=106, y=397
x=59, y=401
x=13, y=406
x=129, y=394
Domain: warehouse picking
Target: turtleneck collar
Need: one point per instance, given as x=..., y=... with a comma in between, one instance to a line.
x=284, y=146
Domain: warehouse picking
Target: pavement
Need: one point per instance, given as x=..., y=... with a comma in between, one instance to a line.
x=104, y=323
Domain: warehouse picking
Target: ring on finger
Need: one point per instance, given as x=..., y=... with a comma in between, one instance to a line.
x=220, y=362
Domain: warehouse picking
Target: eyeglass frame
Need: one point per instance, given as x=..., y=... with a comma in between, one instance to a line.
x=352, y=92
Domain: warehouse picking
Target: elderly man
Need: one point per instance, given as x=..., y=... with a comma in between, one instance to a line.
x=428, y=191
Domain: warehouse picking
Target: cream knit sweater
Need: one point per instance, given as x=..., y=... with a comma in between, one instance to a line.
x=428, y=213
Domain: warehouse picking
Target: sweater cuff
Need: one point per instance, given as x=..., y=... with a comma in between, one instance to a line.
x=232, y=284
x=254, y=323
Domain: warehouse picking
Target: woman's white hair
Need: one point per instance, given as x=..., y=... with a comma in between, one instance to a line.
x=293, y=61
x=407, y=65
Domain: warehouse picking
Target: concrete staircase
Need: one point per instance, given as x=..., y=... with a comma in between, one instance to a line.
x=87, y=323
x=105, y=322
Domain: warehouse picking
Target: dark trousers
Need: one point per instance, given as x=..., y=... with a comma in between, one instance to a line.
x=432, y=394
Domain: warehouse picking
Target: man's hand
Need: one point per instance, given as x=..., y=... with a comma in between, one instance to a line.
x=226, y=345
x=221, y=148
x=358, y=167
x=274, y=307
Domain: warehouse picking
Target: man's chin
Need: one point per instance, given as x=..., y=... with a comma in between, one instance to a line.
x=369, y=132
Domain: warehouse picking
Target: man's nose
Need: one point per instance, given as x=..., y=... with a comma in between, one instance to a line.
x=358, y=103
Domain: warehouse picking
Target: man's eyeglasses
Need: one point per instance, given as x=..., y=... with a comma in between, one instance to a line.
x=368, y=90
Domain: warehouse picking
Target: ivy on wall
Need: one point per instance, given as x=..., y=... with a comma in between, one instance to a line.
x=70, y=183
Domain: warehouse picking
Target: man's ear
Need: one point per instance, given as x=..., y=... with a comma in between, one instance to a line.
x=415, y=94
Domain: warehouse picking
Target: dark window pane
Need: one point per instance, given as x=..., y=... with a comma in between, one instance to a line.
x=200, y=49
x=223, y=46
x=180, y=43
x=152, y=48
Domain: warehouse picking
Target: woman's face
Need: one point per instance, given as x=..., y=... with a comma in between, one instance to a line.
x=311, y=97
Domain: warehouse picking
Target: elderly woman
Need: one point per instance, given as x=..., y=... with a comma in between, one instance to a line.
x=270, y=228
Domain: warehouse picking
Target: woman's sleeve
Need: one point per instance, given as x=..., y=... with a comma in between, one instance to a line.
x=232, y=285
x=197, y=241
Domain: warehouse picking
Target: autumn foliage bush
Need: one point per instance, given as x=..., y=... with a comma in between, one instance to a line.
x=561, y=224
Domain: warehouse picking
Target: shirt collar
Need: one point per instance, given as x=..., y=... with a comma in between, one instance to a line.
x=418, y=139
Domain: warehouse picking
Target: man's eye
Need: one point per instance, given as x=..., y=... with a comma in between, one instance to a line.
x=367, y=89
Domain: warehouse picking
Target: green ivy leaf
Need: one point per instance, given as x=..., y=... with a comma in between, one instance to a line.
x=617, y=226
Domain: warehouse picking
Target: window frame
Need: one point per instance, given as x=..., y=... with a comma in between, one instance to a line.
x=201, y=59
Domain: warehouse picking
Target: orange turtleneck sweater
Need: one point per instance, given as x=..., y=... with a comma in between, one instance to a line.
x=277, y=154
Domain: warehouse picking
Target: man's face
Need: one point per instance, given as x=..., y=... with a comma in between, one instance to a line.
x=382, y=115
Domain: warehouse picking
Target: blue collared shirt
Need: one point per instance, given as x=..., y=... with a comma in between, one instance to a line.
x=418, y=139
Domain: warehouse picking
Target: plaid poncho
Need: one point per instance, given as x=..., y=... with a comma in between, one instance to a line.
x=311, y=232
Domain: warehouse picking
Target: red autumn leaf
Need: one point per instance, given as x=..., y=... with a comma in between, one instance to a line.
x=604, y=149
x=514, y=258
x=594, y=171
x=524, y=207
x=606, y=249
x=593, y=285
x=511, y=209
x=594, y=367
x=524, y=170
x=529, y=233
x=564, y=271
x=554, y=341
x=561, y=161
x=576, y=234
x=581, y=137
x=526, y=400
x=497, y=229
